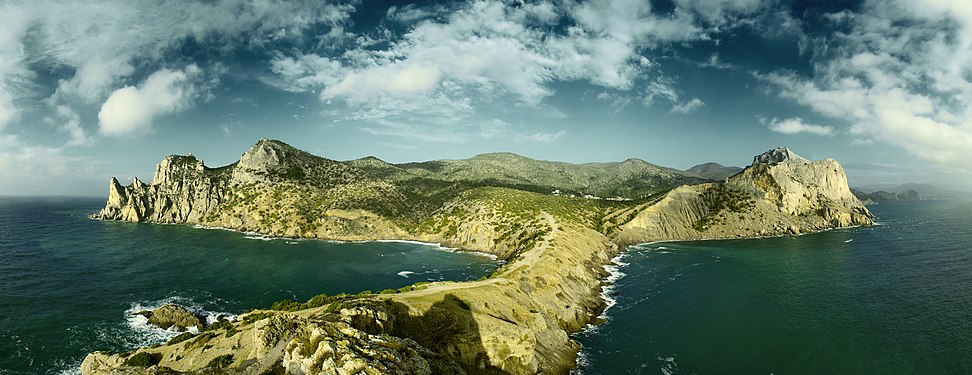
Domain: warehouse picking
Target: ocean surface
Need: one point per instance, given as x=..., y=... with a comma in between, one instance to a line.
x=69, y=285
x=895, y=298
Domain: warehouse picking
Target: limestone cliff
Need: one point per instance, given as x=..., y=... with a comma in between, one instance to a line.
x=516, y=321
x=779, y=193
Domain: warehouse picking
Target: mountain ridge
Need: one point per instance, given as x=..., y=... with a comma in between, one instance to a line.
x=516, y=320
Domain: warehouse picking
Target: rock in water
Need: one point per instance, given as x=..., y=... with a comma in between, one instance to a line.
x=172, y=315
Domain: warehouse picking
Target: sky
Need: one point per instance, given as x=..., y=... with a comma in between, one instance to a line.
x=91, y=90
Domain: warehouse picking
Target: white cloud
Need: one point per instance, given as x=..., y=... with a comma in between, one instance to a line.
x=899, y=75
x=721, y=12
x=72, y=126
x=101, y=42
x=486, y=53
x=7, y=110
x=32, y=169
x=396, y=80
x=660, y=88
x=93, y=78
x=130, y=110
x=795, y=125
x=689, y=106
x=541, y=137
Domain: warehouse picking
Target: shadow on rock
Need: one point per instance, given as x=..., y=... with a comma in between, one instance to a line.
x=447, y=328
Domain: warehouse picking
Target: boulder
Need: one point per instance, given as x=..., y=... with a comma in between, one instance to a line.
x=172, y=315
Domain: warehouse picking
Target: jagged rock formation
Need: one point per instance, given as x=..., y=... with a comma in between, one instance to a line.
x=779, y=155
x=518, y=319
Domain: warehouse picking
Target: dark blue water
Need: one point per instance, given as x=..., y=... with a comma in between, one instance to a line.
x=68, y=284
x=889, y=299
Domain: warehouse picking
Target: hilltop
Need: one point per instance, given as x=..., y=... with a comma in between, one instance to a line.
x=551, y=222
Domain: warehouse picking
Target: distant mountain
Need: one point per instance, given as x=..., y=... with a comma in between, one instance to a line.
x=908, y=192
x=886, y=196
x=713, y=171
x=629, y=179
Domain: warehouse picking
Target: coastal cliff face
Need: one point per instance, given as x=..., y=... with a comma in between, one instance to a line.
x=517, y=320
x=779, y=193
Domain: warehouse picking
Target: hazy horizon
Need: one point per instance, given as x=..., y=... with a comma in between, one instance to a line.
x=91, y=91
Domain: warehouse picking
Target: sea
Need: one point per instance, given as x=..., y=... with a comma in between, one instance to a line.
x=70, y=285
x=894, y=298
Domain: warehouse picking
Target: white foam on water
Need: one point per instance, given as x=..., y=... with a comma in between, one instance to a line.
x=583, y=361
x=668, y=365
x=437, y=246
x=144, y=333
x=608, y=289
x=405, y=274
x=849, y=240
x=73, y=368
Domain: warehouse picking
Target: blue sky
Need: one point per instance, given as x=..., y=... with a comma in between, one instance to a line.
x=90, y=91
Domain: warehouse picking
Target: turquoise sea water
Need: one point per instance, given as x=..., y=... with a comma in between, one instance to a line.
x=69, y=284
x=890, y=299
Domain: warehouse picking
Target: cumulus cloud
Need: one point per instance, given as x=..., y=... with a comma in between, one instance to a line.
x=795, y=125
x=689, y=106
x=898, y=75
x=131, y=109
x=490, y=52
x=99, y=44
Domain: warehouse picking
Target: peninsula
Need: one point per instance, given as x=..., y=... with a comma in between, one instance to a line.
x=555, y=224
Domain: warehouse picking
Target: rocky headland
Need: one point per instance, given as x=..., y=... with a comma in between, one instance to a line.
x=555, y=224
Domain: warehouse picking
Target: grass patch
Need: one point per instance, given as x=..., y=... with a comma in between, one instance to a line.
x=221, y=362
x=316, y=301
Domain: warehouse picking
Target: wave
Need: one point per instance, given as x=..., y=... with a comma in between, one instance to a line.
x=405, y=273
x=436, y=246
x=144, y=334
x=608, y=293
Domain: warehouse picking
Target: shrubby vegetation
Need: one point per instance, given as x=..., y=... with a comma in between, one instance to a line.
x=721, y=199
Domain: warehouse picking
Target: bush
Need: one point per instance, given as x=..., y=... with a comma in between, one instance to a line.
x=143, y=359
x=286, y=305
x=222, y=324
x=221, y=362
x=254, y=317
x=180, y=338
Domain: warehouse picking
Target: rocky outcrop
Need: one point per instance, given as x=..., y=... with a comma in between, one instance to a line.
x=780, y=193
x=181, y=192
x=267, y=342
x=172, y=315
x=779, y=155
x=516, y=321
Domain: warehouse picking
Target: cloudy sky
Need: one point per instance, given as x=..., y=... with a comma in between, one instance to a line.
x=107, y=88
